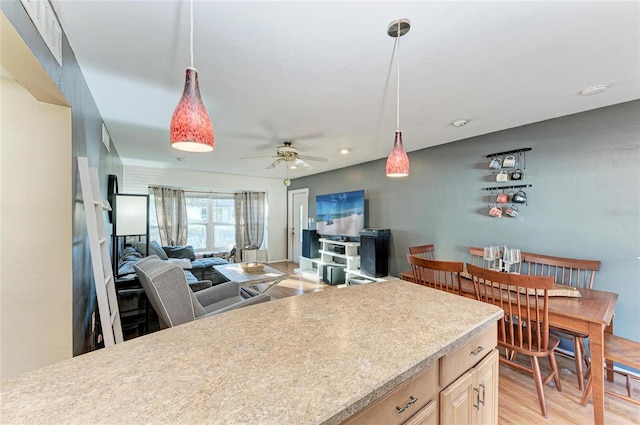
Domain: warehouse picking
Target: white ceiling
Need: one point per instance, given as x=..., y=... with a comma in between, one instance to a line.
x=320, y=72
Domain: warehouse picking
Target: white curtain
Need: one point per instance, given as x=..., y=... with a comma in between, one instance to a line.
x=250, y=209
x=171, y=211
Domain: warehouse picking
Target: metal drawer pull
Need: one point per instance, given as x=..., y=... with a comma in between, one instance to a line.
x=412, y=400
x=477, y=391
x=477, y=351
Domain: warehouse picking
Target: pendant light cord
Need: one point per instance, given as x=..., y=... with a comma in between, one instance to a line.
x=191, y=36
x=398, y=96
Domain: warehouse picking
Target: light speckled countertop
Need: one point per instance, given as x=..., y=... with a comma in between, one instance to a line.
x=310, y=359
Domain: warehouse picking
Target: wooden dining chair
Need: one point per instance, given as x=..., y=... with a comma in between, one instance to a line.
x=524, y=328
x=423, y=251
x=565, y=271
x=442, y=275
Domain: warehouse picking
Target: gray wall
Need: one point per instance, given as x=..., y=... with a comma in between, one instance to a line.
x=585, y=172
x=86, y=141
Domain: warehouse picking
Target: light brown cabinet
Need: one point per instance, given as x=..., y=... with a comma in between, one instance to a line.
x=473, y=398
x=401, y=403
x=461, y=388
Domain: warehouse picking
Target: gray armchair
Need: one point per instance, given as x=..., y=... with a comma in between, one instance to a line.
x=175, y=303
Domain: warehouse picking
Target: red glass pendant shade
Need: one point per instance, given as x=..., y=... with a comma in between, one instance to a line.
x=191, y=128
x=398, y=161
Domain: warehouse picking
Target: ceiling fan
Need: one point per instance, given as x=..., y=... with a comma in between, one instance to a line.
x=288, y=153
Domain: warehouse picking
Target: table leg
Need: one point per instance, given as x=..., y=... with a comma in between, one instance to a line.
x=609, y=329
x=596, y=346
x=275, y=282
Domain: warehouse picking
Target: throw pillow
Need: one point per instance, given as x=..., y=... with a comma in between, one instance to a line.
x=130, y=254
x=180, y=252
x=141, y=247
x=156, y=249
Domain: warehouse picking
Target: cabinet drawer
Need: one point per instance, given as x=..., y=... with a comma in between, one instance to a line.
x=428, y=415
x=422, y=387
x=459, y=361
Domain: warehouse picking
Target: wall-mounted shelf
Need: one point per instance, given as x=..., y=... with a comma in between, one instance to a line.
x=517, y=186
x=504, y=166
x=491, y=155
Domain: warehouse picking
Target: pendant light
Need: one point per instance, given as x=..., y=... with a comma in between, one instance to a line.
x=191, y=128
x=398, y=161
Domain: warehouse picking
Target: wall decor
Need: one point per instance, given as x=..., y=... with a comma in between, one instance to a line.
x=505, y=167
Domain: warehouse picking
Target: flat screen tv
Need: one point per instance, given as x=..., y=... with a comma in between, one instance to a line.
x=340, y=214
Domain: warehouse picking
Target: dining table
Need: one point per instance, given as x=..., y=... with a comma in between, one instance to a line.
x=590, y=313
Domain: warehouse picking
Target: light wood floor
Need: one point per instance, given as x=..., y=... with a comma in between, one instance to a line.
x=518, y=402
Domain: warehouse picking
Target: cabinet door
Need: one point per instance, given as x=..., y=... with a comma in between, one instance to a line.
x=456, y=401
x=487, y=384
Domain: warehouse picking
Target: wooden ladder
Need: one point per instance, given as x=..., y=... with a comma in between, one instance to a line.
x=100, y=258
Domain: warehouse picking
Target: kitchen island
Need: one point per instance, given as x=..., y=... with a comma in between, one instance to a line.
x=311, y=359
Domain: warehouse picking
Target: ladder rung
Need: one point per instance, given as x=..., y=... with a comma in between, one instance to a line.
x=113, y=317
x=103, y=240
x=107, y=279
x=97, y=203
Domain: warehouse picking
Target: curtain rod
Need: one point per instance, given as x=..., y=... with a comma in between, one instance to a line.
x=196, y=191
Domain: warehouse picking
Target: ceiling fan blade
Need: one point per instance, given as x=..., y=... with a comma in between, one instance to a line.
x=274, y=163
x=300, y=163
x=306, y=136
x=314, y=158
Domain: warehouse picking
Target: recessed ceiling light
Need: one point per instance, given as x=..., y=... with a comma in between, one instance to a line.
x=181, y=159
x=590, y=91
x=345, y=151
x=459, y=123
x=293, y=167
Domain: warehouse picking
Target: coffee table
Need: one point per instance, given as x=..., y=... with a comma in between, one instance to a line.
x=234, y=272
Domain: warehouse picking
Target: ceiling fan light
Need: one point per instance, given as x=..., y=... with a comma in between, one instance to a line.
x=191, y=128
x=398, y=161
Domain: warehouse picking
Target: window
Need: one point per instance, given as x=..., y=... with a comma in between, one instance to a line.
x=211, y=218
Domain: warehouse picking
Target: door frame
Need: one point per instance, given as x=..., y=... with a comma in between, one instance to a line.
x=290, y=215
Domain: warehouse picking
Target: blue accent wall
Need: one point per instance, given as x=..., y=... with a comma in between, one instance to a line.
x=584, y=203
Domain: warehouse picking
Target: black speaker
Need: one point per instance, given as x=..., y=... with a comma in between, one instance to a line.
x=310, y=244
x=374, y=252
x=333, y=275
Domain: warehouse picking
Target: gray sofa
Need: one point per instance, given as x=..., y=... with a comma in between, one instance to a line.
x=199, y=272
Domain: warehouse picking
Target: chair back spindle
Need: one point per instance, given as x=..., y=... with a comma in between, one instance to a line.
x=565, y=271
x=477, y=257
x=423, y=251
x=442, y=275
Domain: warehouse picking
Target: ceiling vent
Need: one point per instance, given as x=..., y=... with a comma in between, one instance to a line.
x=41, y=13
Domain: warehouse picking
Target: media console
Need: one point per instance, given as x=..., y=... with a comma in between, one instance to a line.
x=336, y=254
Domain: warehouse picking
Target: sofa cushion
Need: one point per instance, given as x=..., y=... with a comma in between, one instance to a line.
x=156, y=249
x=203, y=269
x=180, y=252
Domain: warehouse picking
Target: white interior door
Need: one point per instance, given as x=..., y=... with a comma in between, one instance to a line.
x=298, y=219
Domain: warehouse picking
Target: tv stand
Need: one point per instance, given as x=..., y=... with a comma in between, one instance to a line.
x=335, y=253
